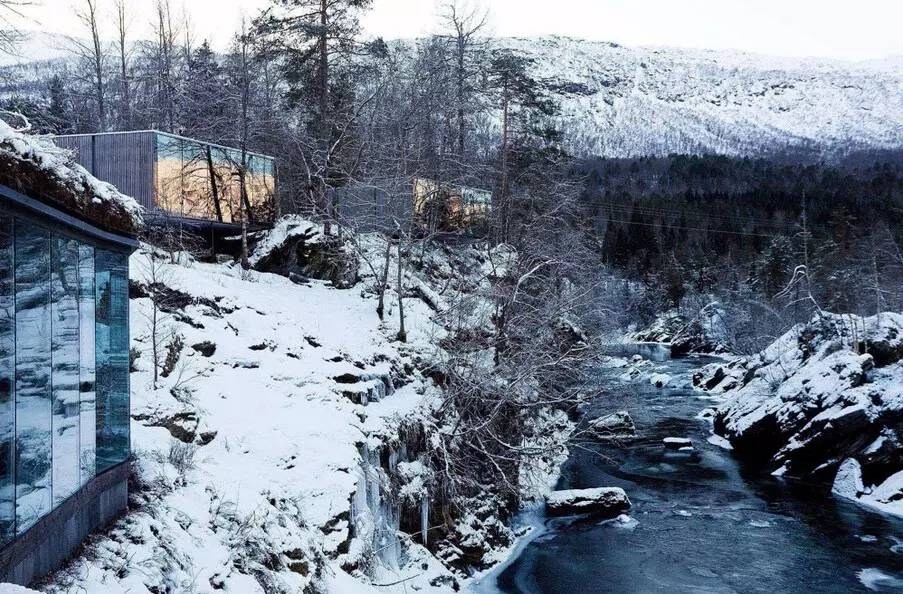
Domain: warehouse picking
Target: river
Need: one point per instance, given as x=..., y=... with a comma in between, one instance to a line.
x=700, y=521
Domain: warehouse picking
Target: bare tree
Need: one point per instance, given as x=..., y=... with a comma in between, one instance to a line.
x=94, y=54
x=9, y=33
x=464, y=24
x=123, y=51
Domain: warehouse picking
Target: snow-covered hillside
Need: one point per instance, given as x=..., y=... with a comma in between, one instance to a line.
x=252, y=447
x=622, y=102
x=284, y=446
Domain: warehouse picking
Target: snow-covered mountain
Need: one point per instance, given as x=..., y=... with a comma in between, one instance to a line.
x=618, y=101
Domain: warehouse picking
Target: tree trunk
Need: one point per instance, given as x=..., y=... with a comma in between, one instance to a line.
x=402, y=333
x=122, y=29
x=461, y=124
x=384, y=281
x=504, y=214
x=323, y=92
x=214, y=189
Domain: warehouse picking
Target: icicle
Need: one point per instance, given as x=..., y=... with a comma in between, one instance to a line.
x=424, y=517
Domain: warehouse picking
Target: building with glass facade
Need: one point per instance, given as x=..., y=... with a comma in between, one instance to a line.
x=64, y=374
x=184, y=178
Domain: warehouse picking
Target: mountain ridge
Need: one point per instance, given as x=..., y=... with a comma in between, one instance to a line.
x=627, y=102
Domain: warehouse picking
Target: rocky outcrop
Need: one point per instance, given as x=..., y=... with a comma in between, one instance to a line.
x=299, y=250
x=702, y=334
x=614, y=427
x=818, y=404
x=603, y=501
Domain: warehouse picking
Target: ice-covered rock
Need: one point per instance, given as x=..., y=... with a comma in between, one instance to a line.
x=848, y=482
x=615, y=426
x=607, y=501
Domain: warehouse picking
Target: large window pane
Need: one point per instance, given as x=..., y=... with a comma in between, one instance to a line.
x=33, y=395
x=65, y=369
x=7, y=383
x=86, y=360
x=112, y=354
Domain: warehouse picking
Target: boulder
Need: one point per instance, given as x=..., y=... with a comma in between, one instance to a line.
x=603, y=501
x=298, y=249
x=206, y=348
x=615, y=426
x=660, y=380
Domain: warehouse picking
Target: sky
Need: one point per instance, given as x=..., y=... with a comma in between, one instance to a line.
x=845, y=29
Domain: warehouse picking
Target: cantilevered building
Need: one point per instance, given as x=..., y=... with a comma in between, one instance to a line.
x=174, y=177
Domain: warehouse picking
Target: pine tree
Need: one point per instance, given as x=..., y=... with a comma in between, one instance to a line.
x=316, y=41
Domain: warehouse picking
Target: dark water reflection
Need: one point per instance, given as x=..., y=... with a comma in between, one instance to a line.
x=702, y=523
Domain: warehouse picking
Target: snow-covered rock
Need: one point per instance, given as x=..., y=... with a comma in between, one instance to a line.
x=677, y=443
x=615, y=426
x=703, y=333
x=36, y=167
x=607, y=501
x=660, y=380
x=848, y=482
x=298, y=249
x=812, y=405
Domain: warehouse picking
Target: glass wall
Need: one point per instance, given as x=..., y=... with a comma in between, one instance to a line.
x=88, y=421
x=203, y=181
x=33, y=390
x=112, y=352
x=64, y=417
x=7, y=382
x=65, y=368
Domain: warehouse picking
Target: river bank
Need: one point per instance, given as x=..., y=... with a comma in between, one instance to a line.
x=700, y=520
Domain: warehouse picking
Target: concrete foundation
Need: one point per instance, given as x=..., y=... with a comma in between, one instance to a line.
x=49, y=543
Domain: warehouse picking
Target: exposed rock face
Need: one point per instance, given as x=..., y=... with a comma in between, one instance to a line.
x=613, y=427
x=815, y=401
x=603, y=501
x=298, y=249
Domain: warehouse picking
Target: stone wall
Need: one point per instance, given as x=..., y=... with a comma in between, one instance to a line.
x=53, y=540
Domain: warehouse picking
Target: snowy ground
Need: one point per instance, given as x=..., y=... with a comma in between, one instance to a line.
x=249, y=454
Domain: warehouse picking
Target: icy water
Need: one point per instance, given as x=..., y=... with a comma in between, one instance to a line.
x=701, y=522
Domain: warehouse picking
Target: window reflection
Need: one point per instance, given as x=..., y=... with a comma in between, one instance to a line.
x=7, y=370
x=88, y=421
x=33, y=396
x=65, y=372
x=203, y=181
x=111, y=353
x=64, y=369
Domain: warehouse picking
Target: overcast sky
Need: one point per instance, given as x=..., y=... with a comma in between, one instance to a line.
x=849, y=29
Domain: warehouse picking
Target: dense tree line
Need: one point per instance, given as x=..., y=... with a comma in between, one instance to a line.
x=689, y=228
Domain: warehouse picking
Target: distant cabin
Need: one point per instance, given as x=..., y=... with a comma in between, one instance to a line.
x=445, y=207
x=179, y=178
